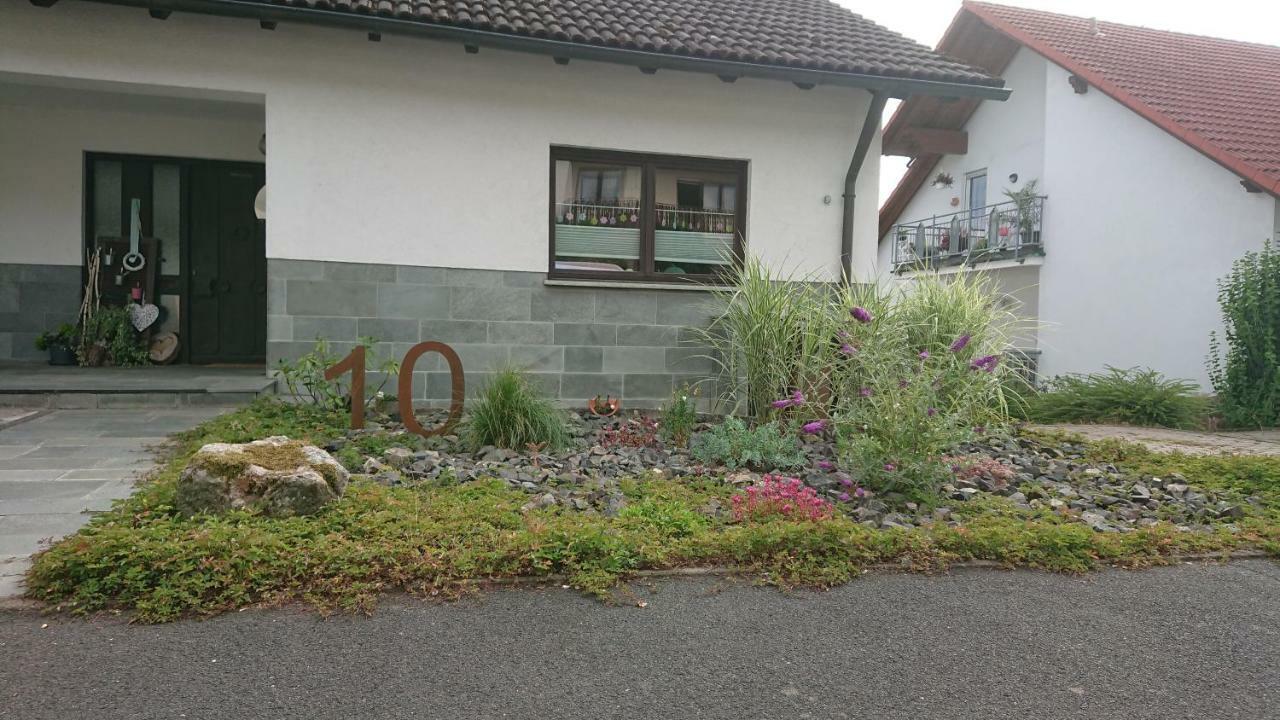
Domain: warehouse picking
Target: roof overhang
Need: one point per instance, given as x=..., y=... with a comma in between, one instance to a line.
x=896, y=87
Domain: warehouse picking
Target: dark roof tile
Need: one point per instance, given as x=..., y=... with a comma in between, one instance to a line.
x=805, y=34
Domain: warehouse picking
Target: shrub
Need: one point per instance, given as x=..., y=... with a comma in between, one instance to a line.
x=677, y=417
x=509, y=413
x=1246, y=373
x=305, y=381
x=734, y=445
x=899, y=377
x=111, y=329
x=1137, y=396
x=780, y=497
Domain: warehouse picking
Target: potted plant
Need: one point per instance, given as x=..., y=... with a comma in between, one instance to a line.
x=1025, y=218
x=60, y=343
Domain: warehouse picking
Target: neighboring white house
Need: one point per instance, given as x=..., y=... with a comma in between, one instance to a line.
x=539, y=185
x=1157, y=162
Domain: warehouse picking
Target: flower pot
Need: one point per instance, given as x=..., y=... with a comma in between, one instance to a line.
x=61, y=355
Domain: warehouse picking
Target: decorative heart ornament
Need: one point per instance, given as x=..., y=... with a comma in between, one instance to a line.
x=143, y=316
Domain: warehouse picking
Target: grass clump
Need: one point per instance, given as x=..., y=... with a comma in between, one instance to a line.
x=1136, y=396
x=509, y=413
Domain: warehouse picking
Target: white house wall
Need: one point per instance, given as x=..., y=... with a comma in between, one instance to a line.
x=1138, y=227
x=412, y=152
x=1004, y=137
x=44, y=133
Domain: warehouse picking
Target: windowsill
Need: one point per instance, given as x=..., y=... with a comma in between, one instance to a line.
x=633, y=285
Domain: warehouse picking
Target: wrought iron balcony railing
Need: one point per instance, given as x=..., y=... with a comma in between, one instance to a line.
x=1006, y=231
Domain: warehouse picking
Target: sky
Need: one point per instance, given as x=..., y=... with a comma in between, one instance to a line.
x=925, y=20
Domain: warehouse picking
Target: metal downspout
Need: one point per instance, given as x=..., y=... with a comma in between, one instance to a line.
x=869, y=127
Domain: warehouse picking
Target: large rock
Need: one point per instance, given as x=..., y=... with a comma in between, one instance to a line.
x=276, y=476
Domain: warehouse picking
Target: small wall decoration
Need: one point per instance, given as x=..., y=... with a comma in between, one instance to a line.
x=604, y=407
x=943, y=180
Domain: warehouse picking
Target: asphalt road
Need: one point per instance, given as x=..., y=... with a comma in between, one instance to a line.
x=1198, y=641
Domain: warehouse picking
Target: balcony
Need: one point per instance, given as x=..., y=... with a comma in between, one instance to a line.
x=1009, y=231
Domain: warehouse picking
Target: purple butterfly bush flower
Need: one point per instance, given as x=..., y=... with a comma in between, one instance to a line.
x=845, y=480
x=795, y=398
x=860, y=492
x=843, y=335
x=848, y=349
x=860, y=314
x=815, y=427
x=826, y=465
x=843, y=497
x=890, y=467
x=986, y=363
x=960, y=343
x=924, y=354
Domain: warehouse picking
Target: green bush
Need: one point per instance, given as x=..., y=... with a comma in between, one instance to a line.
x=1136, y=396
x=734, y=445
x=875, y=366
x=112, y=329
x=509, y=413
x=64, y=336
x=1246, y=373
x=305, y=381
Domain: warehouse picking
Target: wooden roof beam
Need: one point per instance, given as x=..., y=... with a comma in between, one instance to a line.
x=916, y=141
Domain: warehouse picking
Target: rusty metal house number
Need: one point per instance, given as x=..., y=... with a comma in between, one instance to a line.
x=354, y=364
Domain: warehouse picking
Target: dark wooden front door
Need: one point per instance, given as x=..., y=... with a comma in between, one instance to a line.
x=227, y=275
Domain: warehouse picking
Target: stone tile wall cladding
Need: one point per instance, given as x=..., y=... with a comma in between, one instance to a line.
x=35, y=298
x=576, y=342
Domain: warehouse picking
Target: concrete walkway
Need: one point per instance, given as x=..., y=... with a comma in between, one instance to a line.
x=1191, y=442
x=1194, y=641
x=55, y=465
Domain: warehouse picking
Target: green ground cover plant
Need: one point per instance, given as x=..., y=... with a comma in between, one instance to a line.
x=734, y=444
x=1136, y=396
x=436, y=538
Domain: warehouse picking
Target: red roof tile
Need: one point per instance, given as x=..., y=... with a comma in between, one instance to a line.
x=1220, y=96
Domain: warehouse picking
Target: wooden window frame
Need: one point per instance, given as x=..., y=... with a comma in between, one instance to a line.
x=649, y=163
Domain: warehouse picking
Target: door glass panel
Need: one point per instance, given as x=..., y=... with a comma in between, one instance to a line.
x=597, y=217
x=107, y=185
x=166, y=210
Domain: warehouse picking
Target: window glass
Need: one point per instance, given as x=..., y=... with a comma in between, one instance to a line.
x=694, y=223
x=107, y=186
x=166, y=210
x=597, y=217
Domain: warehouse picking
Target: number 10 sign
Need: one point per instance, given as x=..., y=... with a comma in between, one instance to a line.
x=354, y=364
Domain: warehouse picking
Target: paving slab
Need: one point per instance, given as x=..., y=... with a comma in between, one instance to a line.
x=58, y=467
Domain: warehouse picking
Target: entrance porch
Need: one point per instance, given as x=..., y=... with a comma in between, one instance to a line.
x=154, y=187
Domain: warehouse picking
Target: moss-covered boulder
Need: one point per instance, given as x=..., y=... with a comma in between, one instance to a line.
x=275, y=476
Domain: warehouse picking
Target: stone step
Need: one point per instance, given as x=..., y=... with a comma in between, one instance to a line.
x=90, y=400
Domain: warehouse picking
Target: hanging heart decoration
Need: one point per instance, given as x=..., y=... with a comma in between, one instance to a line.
x=143, y=316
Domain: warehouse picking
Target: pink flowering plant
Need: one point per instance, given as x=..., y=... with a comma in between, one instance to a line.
x=776, y=497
